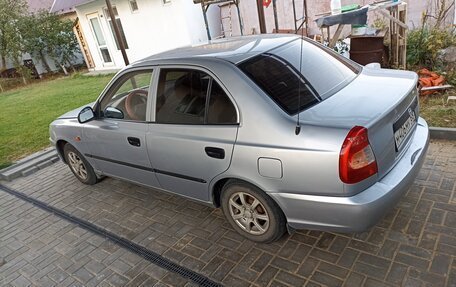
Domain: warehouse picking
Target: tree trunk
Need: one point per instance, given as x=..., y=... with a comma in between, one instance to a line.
x=45, y=63
x=72, y=67
x=64, y=69
x=3, y=61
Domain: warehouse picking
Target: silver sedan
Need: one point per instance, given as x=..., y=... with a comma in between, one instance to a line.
x=279, y=132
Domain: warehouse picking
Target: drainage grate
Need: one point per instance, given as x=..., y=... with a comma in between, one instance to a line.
x=145, y=253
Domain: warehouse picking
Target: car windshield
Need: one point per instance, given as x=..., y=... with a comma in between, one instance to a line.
x=276, y=72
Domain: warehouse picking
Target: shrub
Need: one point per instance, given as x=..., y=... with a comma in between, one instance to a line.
x=423, y=46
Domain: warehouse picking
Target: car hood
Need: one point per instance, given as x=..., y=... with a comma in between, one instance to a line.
x=370, y=96
x=74, y=113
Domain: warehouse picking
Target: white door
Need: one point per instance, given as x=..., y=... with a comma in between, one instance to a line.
x=100, y=39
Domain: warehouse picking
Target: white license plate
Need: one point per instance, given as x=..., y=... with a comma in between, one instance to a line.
x=403, y=126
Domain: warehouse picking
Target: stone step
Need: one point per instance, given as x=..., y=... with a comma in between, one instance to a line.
x=29, y=164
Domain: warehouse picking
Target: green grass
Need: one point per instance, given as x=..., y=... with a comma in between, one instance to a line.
x=25, y=113
x=437, y=112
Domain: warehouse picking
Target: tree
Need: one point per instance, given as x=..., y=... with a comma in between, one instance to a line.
x=44, y=34
x=64, y=44
x=40, y=34
x=11, y=13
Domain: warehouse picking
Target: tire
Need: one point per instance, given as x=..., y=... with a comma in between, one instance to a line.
x=80, y=167
x=264, y=222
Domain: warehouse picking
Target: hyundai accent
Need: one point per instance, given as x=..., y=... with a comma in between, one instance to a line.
x=279, y=131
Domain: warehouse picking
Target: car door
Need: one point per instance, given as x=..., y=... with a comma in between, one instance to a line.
x=195, y=127
x=117, y=137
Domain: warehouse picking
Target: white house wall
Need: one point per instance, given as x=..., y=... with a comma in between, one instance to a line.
x=38, y=64
x=78, y=59
x=154, y=28
x=9, y=64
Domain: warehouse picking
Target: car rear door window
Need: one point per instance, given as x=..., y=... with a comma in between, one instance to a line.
x=221, y=109
x=181, y=96
x=186, y=96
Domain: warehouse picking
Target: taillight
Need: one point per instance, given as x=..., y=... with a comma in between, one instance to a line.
x=356, y=160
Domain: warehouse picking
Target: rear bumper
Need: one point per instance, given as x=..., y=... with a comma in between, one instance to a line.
x=361, y=211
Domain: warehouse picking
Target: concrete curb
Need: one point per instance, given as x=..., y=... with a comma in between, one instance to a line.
x=30, y=164
x=442, y=133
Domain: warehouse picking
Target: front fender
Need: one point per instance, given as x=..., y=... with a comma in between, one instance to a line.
x=68, y=131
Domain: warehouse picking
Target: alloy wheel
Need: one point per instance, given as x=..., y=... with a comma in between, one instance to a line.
x=77, y=165
x=249, y=213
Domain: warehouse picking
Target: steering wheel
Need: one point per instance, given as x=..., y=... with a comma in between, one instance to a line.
x=135, y=104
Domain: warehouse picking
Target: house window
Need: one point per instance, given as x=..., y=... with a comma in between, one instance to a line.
x=133, y=6
x=119, y=25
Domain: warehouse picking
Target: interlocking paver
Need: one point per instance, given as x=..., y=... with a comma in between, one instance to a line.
x=413, y=245
x=59, y=263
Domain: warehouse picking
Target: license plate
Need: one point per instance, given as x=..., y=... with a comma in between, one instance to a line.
x=404, y=125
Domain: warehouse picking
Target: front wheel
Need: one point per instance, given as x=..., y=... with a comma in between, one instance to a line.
x=80, y=167
x=252, y=213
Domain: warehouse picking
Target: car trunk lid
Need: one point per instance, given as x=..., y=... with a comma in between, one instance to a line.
x=383, y=101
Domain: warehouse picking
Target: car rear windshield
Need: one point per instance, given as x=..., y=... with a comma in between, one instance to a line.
x=323, y=73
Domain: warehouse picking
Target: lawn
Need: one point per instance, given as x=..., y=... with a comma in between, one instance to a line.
x=27, y=112
x=437, y=112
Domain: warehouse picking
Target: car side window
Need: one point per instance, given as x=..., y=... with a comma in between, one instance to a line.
x=181, y=96
x=182, y=99
x=221, y=109
x=127, y=98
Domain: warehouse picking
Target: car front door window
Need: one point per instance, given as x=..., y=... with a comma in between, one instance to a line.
x=127, y=99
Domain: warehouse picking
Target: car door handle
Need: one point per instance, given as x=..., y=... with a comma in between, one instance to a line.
x=215, y=152
x=134, y=141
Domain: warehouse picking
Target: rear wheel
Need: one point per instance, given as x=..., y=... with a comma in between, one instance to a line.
x=80, y=167
x=252, y=213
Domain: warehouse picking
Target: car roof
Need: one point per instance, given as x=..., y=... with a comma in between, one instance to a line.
x=234, y=49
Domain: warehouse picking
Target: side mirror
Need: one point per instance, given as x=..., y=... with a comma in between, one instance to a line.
x=85, y=115
x=113, y=113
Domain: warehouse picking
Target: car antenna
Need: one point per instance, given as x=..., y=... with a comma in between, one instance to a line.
x=298, y=125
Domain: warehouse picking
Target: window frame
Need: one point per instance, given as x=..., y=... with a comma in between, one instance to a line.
x=213, y=78
x=107, y=17
x=117, y=82
x=131, y=7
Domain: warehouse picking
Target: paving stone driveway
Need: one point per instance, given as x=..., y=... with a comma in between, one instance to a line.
x=414, y=245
